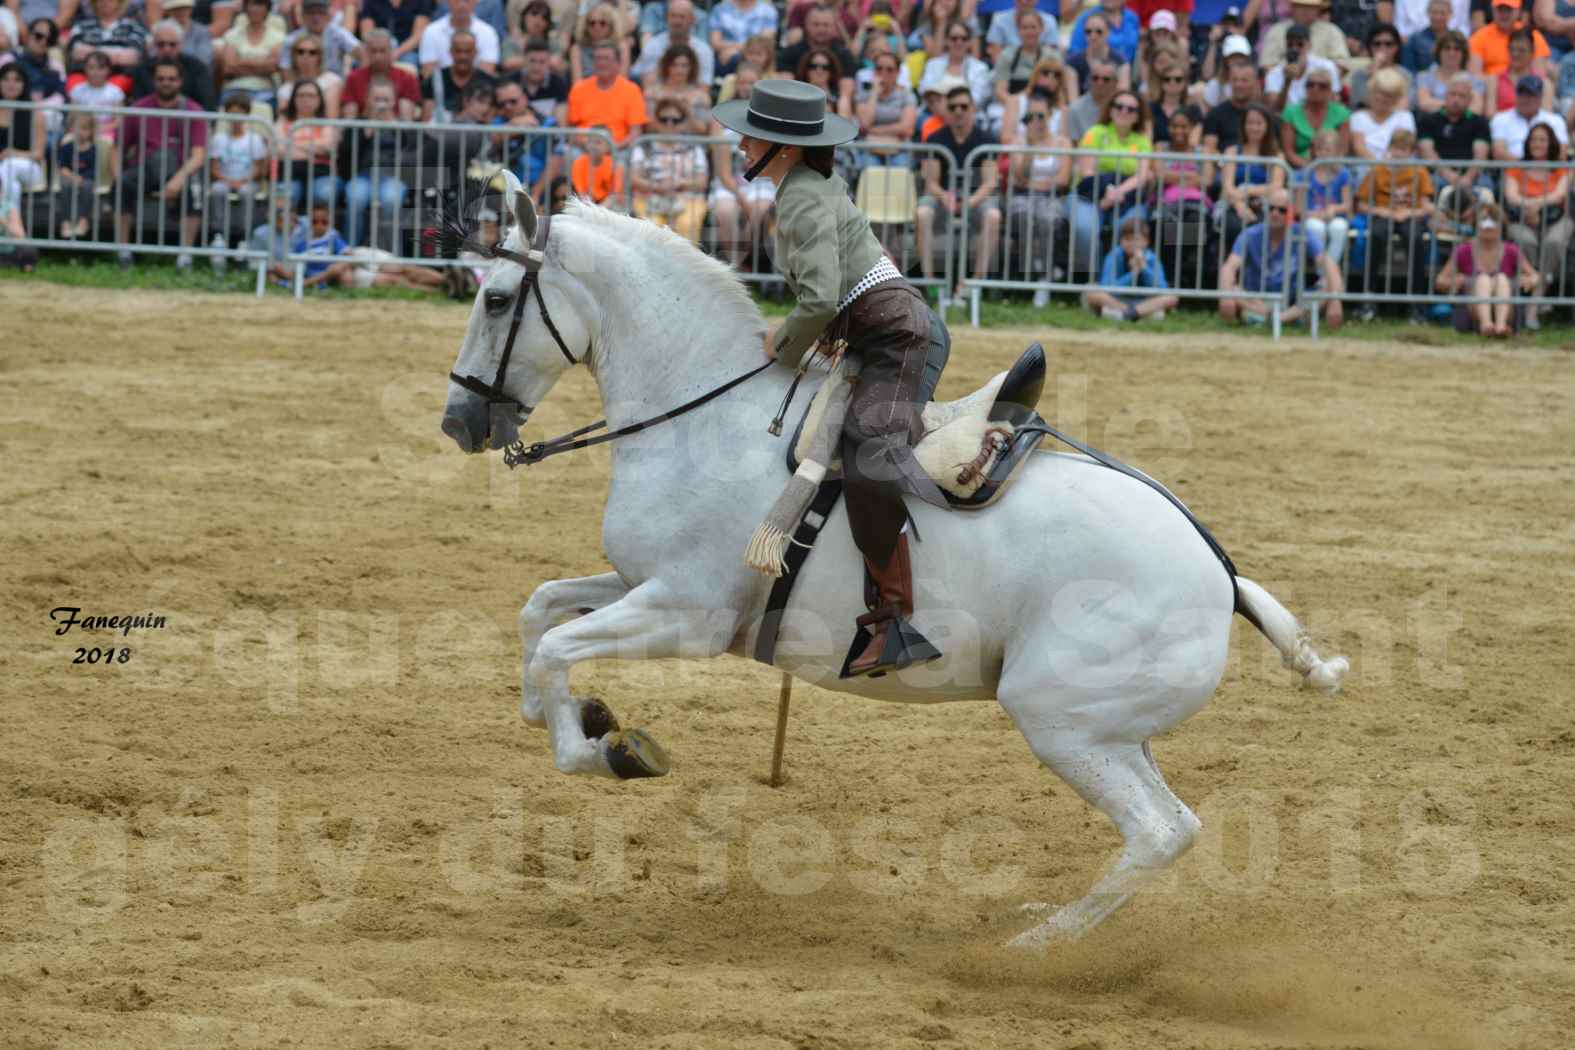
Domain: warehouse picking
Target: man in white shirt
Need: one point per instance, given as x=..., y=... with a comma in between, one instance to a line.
x=1511, y=126
x=435, y=41
x=1286, y=84
x=680, y=30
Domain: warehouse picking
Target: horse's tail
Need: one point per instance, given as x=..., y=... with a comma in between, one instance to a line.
x=1289, y=637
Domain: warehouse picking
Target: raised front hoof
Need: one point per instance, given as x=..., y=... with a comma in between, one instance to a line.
x=596, y=719
x=633, y=755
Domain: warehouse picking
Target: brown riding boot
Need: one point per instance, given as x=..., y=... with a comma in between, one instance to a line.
x=885, y=641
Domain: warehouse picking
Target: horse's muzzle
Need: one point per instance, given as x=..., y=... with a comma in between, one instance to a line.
x=474, y=425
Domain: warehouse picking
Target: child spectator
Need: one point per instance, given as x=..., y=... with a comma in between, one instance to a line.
x=594, y=174
x=279, y=238
x=321, y=241
x=1397, y=200
x=1328, y=196
x=97, y=90
x=237, y=164
x=1132, y=264
x=77, y=164
x=1184, y=183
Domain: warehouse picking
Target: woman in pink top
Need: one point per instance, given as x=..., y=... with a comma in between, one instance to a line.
x=1485, y=267
x=308, y=150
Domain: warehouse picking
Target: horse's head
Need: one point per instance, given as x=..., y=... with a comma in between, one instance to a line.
x=515, y=348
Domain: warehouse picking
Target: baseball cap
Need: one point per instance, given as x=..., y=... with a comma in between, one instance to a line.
x=307, y=5
x=1235, y=44
x=1232, y=14
x=1306, y=3
x=1530, y=84
x=173, y=5
x=948, y=84
x=1162, y=20
x=1297, y=31
x=1507, y=3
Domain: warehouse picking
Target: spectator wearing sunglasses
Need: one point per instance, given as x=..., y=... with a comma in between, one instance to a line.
x=1122, y=25
x=1267, y=257
x=1383, y=43
x=1103, y=83
x=1286, y=84
x=942, y=202
x=680, y=30
x=1096, y=34
x=1111, y=188
x=823, y=32
x=1004, y=31
x=958, y=61
x=46, y=78
x=670, y=177
x=821, y=69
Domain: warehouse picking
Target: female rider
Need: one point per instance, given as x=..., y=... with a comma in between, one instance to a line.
x=848, y=291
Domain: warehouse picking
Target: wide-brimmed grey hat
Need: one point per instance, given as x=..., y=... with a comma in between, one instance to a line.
x=786, y=111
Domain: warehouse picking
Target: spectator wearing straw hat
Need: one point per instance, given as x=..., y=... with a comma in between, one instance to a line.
x=196, y=39
x=196, y=78
x=1325, y=38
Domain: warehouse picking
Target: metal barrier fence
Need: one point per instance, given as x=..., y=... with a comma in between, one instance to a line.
x=1055, y=217
x=119, y=178
x=1403, y=222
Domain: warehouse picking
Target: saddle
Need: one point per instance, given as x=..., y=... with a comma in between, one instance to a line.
x=972, y=446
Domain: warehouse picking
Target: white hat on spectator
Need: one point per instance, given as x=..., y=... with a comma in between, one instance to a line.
x=1235, y=44
x=171, y=5
x=947, y=84
x=1162, y=20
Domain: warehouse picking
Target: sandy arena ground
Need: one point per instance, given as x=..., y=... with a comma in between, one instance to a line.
x=307, y=814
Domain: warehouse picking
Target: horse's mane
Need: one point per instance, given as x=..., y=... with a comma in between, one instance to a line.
x=729, y=306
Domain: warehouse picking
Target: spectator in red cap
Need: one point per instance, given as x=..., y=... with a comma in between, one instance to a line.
x=1490, y=44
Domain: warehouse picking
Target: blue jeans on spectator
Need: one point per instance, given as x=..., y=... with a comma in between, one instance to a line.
x=1093, y=227
x=390, y=194
x=324, y=189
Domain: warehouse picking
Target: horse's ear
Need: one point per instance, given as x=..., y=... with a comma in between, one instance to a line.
x=524, y=211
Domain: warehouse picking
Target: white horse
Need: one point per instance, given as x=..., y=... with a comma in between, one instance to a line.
x=1082, y=602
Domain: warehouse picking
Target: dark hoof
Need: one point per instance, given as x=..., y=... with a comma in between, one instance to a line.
x=596, y=719
x=632, y=755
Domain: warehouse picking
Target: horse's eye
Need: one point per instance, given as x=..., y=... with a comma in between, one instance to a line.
x=497, y=301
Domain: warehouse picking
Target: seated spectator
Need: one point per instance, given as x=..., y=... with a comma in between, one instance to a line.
x=306, y=63
x=1317, y=113
x=559, y=194
x=958, y=61
x=1086, y=110
x=1097, y=32
x=167, y=43
x=110, y=29
x=759, y=52
x=1262, y=261
x=1329, y=193
x=546, y=91
x=23, y=137
x=959, y=136
x=677, y=77
x=607, y=98
x=887, y=113
x=1222, y=126
x=466, y=148
x=670, y=177
x=535, y=26
x=1449, y=60
x=1160, y=45
x=249, y=52
x=1536, y=201
x=1556, y=20
x=534, y=159
x=1184, y=184
x=733, y=23
x=601, y=25
x=1132, y=264
x=1110, y=189
x=1167, y=96
x=76, y=163
x=1421, y=42
x=307, y=150
x=1049, y=76
x=1487, y=266
x=46, y=78
x=196, y=41
x=1383, y=43
x=436, y=51
x=286, y=230
x=1398, y=202
x=1490, y=44
x=443, y=93
x=738, y=207
x=873, y=49
x=337, y=47
x=1509, y=127
x=932, y=112
x=318, y=238
x=822, y=32
x=1121, y=24
x=1215, y=86
x=652, y=21
x=96, y=89
x=1505, y=85
x=164, y=158
x=1248, y=179
x=680, y=31
x=1016, y=64
x=1373, y=127
x=404, y=21
x=379, y=65
x=1004, y=31
x=594, y=172
x=371, y=160
x=1326, y=39
x=820, y=68
x=1455, y=138
x=1285, y=85
x=237, y=165
x=935, y=18
x=1036, y=186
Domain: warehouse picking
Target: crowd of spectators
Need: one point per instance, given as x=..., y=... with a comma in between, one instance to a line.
x=1411, y=147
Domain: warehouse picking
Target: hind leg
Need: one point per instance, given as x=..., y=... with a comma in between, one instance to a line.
x=1120, y=780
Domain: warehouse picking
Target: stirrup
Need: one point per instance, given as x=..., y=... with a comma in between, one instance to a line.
x=903, y=647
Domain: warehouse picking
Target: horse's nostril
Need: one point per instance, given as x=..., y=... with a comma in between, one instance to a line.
x=455, y=428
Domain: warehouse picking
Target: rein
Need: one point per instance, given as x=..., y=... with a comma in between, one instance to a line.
x=515, y=453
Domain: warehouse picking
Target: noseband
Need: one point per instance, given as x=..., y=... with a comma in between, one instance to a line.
x=532, y=261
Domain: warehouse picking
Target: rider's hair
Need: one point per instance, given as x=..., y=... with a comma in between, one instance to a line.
x=821, y=159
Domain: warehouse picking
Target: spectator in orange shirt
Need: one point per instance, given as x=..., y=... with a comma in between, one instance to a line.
x=607, y=98
x=1397, y=200
x=931, y=117
x=1490, y=44
x=594, y=174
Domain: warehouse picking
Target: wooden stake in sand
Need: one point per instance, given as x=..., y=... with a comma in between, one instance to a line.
x=782, y=715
